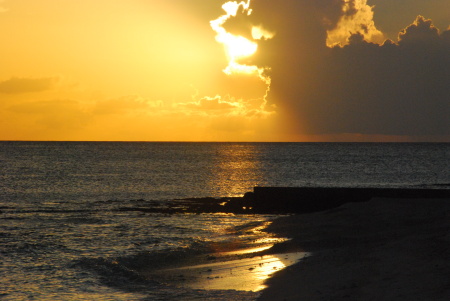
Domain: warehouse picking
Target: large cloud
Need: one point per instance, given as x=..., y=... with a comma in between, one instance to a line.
x=399, y=88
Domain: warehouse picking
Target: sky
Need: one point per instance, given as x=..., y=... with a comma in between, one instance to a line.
x=210, y=70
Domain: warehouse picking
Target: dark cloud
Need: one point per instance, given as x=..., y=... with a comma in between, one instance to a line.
x=421, y=31
x=16, y=85
x=397, y=88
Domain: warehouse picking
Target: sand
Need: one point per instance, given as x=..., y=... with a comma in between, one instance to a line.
x=383, y=249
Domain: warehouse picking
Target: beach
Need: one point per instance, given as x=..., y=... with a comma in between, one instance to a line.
x=383, y=249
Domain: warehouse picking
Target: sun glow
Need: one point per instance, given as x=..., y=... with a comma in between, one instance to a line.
x=237, y=46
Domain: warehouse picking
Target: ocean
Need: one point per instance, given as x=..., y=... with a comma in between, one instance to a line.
x=64, y=237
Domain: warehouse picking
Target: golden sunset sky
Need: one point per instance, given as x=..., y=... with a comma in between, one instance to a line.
x=210, y=70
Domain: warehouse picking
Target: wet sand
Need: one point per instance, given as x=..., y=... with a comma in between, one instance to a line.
x=383, y=249
x=243, y=274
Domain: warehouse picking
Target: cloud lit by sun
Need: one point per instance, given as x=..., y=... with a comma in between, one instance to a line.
x=238, y=47
x=357, y=17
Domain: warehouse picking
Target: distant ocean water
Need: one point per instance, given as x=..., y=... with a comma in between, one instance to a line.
x=62, y=237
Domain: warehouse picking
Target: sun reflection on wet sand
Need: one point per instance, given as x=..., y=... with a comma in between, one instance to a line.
x=247, y=274
x=246, y=251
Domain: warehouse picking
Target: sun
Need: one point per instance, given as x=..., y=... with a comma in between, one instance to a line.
x=238, y=47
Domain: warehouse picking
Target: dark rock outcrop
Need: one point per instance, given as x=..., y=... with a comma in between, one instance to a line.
x=285, y=200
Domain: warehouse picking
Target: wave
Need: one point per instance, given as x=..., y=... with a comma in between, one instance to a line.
x=112, y=273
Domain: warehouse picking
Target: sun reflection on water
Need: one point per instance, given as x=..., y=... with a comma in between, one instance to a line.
x=237, y=170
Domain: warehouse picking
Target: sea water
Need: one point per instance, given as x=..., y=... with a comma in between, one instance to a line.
x=63, y=237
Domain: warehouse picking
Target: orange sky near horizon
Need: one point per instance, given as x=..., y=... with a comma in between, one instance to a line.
x=149, y=70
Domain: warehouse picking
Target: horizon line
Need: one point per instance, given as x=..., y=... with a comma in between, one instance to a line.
x=216, y=141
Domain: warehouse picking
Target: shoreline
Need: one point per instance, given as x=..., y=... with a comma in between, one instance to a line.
x=382, y=249
x=239, y=265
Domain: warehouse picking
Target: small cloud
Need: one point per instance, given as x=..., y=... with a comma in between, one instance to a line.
x=225, y=106
x=210, y=103
x=54, y=114
x=126, y=104
x=17, y=85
